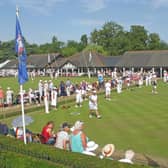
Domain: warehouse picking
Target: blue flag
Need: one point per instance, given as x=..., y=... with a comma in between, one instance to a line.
x=21, y=52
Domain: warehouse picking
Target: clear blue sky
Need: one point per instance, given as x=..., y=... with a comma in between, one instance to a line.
x=69, y=19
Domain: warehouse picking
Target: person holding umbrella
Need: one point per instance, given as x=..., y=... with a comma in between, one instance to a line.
x=17, y=124
x=19, y=134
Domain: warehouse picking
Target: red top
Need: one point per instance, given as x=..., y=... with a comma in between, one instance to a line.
x=1, y=94
x=45, y=133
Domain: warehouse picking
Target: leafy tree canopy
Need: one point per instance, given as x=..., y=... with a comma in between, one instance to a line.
x=111, y=39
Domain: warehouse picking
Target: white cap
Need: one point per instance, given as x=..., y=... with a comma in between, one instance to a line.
x=78, y=125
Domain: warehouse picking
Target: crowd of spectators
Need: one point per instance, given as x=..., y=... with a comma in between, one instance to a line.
x=68, y=137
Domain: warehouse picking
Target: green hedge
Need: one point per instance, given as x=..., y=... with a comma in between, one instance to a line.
x=16, y=111
x=60, y=157
x=14, y=160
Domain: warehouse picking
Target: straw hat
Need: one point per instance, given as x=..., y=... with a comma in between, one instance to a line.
x=8, y=88
x=108, y=150
x=91, y=146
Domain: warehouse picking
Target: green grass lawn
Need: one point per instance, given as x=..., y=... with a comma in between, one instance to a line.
x=135, y=119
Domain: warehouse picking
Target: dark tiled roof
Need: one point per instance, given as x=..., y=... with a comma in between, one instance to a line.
x=151, y=58
x=59, y=62
x=41, y=60
x=111, y=61
x=154, y=58
x=34, y=61
x=83, y=59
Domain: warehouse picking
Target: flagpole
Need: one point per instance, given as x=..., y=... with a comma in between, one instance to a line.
x=23, y=116
x=22, y=70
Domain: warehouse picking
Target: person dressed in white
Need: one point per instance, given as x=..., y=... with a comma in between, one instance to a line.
x=56, y=74
x=31, y=95
x=79, y=99
x=150, y=78
x=164, y=76
x=128, y=82
x=46, y=99
x=140, y=82
x=154, y=84
x=129, y=154
x=40, y=89
x=108, y=90
x=68, y=90
x=9, y=96
x=54, y=97
x=147, y=79
x=62, y=140
x=68, y=86
x=93, y=106
x=119, y=85
x=50, y=87
x=115, y=73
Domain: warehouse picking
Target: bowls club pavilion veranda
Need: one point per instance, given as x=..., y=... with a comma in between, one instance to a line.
x=84, y=62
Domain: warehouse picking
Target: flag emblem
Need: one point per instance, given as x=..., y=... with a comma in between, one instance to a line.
x=20, y=45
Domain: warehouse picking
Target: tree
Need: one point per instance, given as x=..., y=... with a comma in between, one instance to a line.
x=163, y=45
x=54, y=39
x=153, y=41
x=84, y=40
x=55, y=46
x=96, y=48
x=108, y=37
x=138, y=37
x=94, y=38
x=68, y=51
x=71, y=48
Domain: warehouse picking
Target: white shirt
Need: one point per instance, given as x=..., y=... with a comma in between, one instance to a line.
x=53, y=97
x=108, y=86
x=61, y=137
x=9, y=93
x=93, y=100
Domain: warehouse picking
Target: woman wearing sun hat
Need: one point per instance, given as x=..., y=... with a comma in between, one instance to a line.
x=78, y=139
